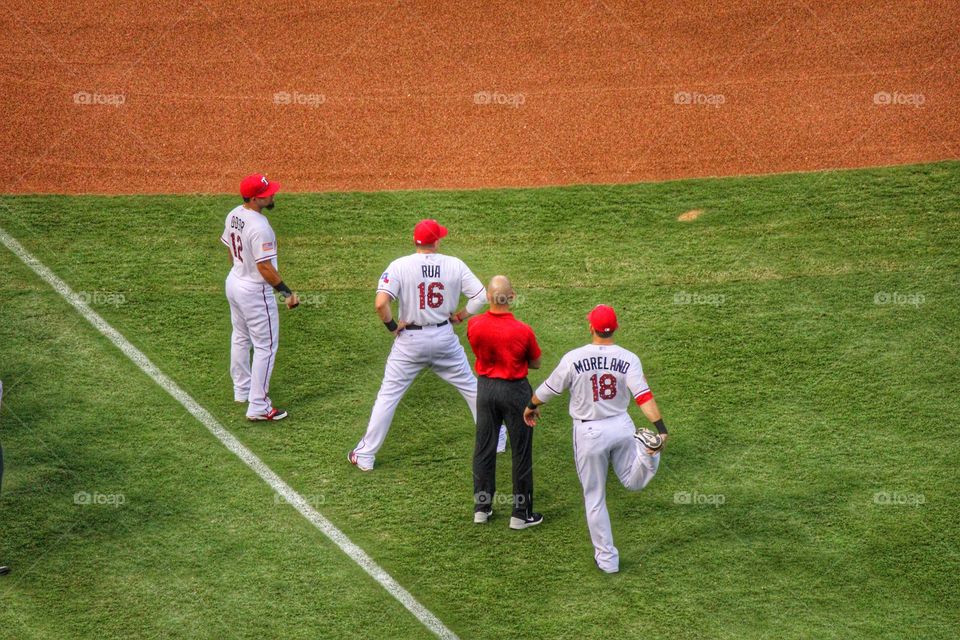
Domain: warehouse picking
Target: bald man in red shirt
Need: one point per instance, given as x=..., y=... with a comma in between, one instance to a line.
x=505, y=349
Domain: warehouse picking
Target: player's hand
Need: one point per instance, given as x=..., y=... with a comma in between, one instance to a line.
x=293, y=301
x=400, y=326
x=455, y=318
x=530, y=416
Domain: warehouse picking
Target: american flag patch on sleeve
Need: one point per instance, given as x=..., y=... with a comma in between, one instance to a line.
x=269, y=246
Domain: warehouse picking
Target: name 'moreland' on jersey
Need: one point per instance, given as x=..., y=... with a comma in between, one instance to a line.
x=602, y=380
x=428, y=286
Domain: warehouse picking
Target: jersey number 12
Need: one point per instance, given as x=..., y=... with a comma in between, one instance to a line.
x=237, y=245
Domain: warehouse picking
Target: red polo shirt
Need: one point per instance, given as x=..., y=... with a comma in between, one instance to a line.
x=502, y=344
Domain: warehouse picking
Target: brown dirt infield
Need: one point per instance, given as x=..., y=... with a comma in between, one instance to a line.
x=132, y=97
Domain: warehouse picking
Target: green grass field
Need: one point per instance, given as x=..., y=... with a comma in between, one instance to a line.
x=801, y=336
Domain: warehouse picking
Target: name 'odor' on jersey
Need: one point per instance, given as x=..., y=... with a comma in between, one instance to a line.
x=428, y=286
x=251, y=240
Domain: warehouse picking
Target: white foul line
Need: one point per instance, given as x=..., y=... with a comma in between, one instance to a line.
x=340, y=539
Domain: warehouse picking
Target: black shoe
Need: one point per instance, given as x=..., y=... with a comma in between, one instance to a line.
x=4, y=571
x=531, y=520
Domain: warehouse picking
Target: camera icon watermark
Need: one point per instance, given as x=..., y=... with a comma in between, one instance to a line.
x=299, y=99
x=715, y=100
x=515, y=100
x=315, y=500
x=895, y=297
x=87, y=98
x=306, y=298
x=899, y=498
x=104, y=298
x=507, y=500
x=885, y=98
x=715, y=500
x=86, y=498
x=711, y=299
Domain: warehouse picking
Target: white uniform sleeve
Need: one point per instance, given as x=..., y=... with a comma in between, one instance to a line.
x=556, y=383
x=637, y=382
x=473, y=289
x=264, y=244
x=390, y=281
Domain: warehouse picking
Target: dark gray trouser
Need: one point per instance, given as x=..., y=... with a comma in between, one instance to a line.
x=502, y=402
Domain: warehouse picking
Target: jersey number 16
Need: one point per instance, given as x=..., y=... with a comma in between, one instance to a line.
x=430, y=295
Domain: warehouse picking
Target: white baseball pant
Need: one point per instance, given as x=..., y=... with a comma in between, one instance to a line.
x=436, y=348
x=256, y=324
x=597, y=443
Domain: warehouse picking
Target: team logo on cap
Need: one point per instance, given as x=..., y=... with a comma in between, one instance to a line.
x=264, y=180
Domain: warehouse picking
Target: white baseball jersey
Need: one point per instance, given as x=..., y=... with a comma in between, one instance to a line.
x=602, y=380
x=250, y=238
x=428, y=287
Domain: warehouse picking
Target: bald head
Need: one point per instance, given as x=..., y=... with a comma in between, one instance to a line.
x=500, y=293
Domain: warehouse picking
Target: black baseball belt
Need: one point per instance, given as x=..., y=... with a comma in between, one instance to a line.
x=417, y=327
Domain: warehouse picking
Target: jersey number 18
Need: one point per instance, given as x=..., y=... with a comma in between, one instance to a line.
x=604, y=388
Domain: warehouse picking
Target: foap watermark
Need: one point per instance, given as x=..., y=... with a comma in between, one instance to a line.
x=693, y=497
x=715, y=100
x=514, y=100
x=712, y=299
x=85, y=498
x=315, y=500
x=884, y=98
x=300, y=99
x=111, y=298
x=500, y=499
x=307, y=299
x=86, y=98
x=899, y=498
x=895, y=297
x=517, y=300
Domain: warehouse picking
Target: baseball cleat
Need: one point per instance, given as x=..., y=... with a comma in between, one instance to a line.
x=4, y=571
x=481, y=517
x=352, y=457
x=272, y=416
x=649, y=439
x=532, y=520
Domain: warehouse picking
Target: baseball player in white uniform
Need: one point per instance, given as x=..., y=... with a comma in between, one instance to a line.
x=253, y=308
x=602, y=378
x=428, y=286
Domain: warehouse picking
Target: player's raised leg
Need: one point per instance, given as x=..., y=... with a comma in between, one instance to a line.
x=590, y=450
x=240, y=345
x=633, y=465
x=402, y=368
x=263, y=322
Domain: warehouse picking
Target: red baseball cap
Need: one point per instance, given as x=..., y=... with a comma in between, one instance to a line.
x=603, y=318
x=257, y=186
x=428, y=232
